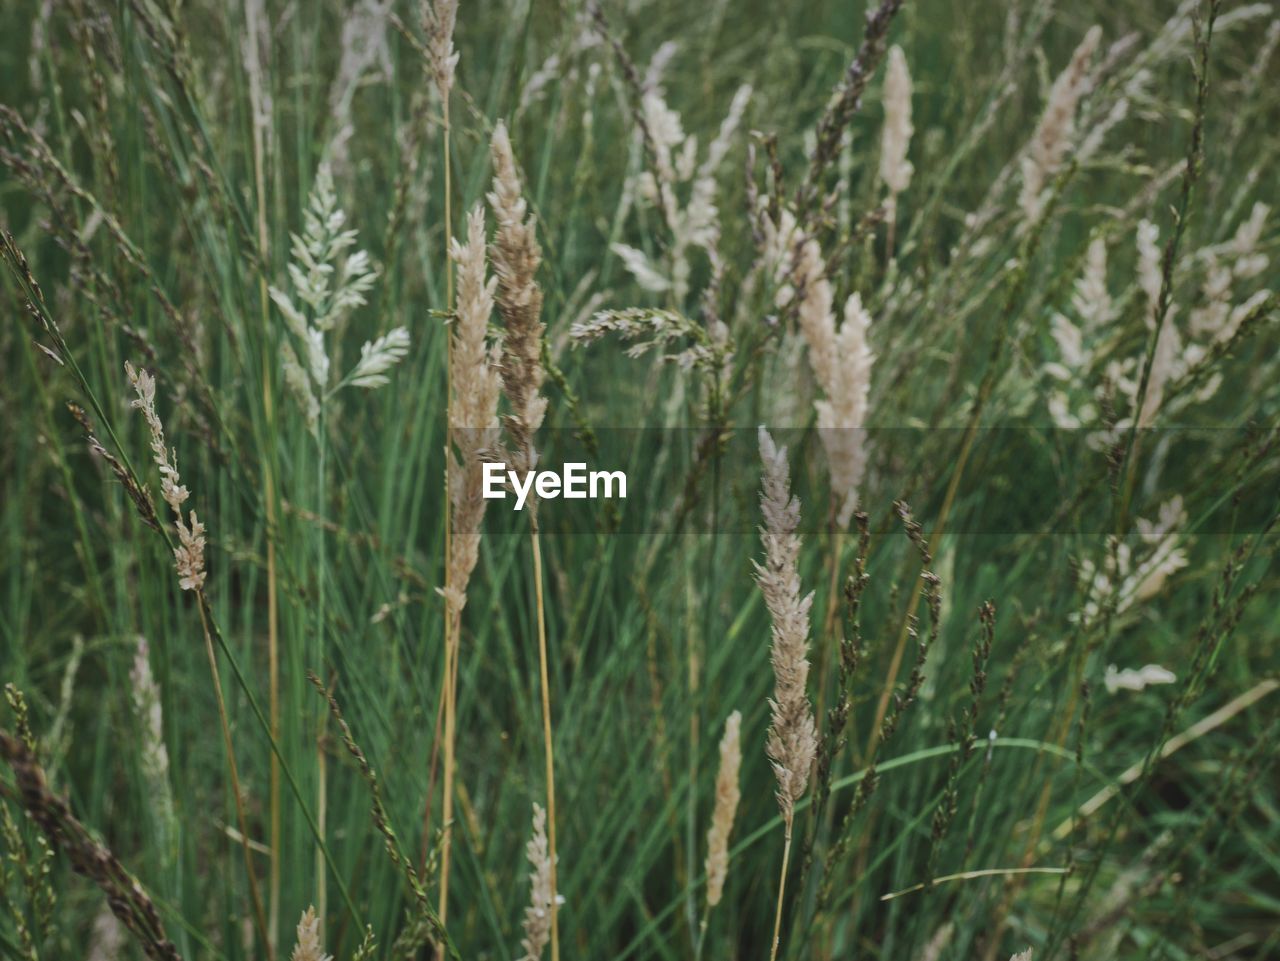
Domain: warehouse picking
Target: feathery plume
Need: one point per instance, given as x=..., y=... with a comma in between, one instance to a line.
x=1056, y=129
x=516, y=257
x=792, y=740
x=841, y=361
x=895, y=168
x=473, y=411
x=537, y=916
x=188, y=556
x=308, y=946
x=327, y=284
x=438, y=20
x=1076, y=341
x=1149, y=276
x=727, y=796
x=379, y=356
x=843, y=412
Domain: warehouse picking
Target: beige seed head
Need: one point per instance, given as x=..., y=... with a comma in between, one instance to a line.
x=537, y=916
x=308, y=946
x=793, y=738
x=841, y=359
x=727, y=796
x=895, y=168
x=516, y=257
x=473, y=409
x=188, y=556
x=438, y=19
x=1056, y=130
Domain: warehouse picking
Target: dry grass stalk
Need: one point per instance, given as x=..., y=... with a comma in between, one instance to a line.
x=188, y=556
x=792, y=733
x=1054, y=134
x=308, y=944
x=473, y=417
x=727, y=796
x=537, y=916
x=516, y=257
x=125, y=895
x=438, y=20
x=895, y=168
x=473, y=420
x=189, y=561
x=841, y=360
x=793, y=738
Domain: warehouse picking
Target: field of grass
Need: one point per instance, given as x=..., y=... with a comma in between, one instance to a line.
x=987, y=287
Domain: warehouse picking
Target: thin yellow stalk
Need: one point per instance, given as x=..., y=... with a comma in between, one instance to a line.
x=782, y=887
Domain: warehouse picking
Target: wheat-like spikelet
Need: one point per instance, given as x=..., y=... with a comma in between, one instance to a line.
x=727, y=796
x=842, y=414
x=841, y=360
x=792, y=740
x=189, y=554
x=1149, y=277
x=308, y=944
x=895, y=168
x=537, y=916
x=476, y=383
x=1056, y=129
x=1166, y=361
x=516, y=257
x=438, y=20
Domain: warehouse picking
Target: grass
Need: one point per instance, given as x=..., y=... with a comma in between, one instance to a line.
x=978, y=789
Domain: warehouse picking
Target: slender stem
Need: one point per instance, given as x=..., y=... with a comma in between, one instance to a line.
x=546, y=737
x=702, y=932
x=269, y=499
x=259, y=916
x=450, y=625
x=782, y=887
x=321, y=511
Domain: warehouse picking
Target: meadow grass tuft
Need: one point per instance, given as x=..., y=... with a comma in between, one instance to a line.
x=937, y=343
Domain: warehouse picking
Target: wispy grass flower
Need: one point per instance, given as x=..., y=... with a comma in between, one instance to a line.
x=188, y=556
x=1056, y=130
x=726, y=807
x=327, y=282
x=895, y=168
x=308, y=947
x=793, y=738
x=537, y=916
